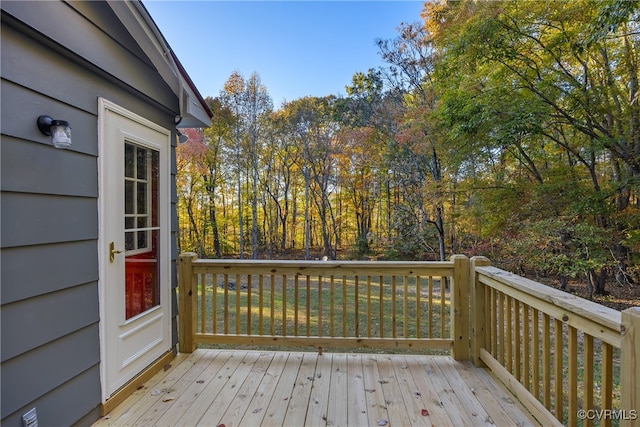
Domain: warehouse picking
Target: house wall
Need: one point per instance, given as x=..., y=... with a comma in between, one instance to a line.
x=57, y=59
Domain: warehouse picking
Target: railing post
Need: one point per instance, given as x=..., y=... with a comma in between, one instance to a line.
x=186, y=293
x=629, y=367
x=478, y=310
x=460, y=307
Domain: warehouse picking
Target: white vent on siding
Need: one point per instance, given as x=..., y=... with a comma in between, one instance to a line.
x=30, y=419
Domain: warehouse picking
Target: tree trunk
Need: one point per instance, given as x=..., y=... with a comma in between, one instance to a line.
x=216, y=236
x=597, y=281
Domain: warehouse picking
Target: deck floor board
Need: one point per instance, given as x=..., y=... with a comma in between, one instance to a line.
x=235, y=387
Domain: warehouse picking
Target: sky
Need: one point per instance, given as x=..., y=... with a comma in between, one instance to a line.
x=298, y=48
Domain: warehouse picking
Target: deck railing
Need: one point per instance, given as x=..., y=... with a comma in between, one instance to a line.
x=325, y=304
x=568, y=360
x=564, y=357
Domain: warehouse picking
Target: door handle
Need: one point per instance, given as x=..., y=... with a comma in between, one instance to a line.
x=113, y=252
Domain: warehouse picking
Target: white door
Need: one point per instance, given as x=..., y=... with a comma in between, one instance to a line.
x=134, y=244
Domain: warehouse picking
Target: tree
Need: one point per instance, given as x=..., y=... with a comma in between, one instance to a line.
x=232, y=98
x=191, y=168
x=315, y=130
x=536, y=85
x=411, y=57
x=215, y=137
x=257, y=106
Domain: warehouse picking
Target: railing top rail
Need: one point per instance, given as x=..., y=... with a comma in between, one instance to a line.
x=329, y=263
x=590, y=311
x=327, y=267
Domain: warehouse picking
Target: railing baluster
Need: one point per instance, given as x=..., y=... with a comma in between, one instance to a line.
x=284, y=305
x=535, y=325
x=344, y=306
x=249, y=286
x=296, y=284
x=494, y=324
x=393, y=307
x=320, y=280
x=517, y=339
x=558, y=362
x=238, y=286
x=381, y=305
x=501, y=322
x=261, y=304
x=443, y=317
x=202, y=285
x=308, y=302
x=509, y=330
x=606, y=386
x=572, y=360
x=546, y=360
x=226, y=304
x=357, y=305
x=332, y=284
x=526, y=346
x=405, y=317
x=587, y=382
x=430, y=308
x=272, y=304
x=418, y=307
x=368, y=306
x=214, y=300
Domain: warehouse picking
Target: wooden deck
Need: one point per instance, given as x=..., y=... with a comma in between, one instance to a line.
x=251, y=388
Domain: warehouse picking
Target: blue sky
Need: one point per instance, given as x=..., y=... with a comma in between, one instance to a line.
x=298, y=48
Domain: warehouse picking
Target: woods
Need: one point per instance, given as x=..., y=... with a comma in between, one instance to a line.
x=504, y=129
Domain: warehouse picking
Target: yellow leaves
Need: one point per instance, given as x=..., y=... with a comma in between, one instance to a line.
x=234, y=84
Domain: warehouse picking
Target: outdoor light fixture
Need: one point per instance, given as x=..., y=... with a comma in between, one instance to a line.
x=58, y=130
x=182, y=138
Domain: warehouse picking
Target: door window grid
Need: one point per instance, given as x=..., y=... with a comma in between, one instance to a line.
x=138, y=179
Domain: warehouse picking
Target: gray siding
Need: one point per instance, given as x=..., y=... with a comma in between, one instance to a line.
x=50, y=346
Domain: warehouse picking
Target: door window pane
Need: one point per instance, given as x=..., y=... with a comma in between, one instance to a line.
x=141, y=197
x=128, y=197
x=129, y=165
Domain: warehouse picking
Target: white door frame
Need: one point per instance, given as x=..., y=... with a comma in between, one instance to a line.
x=113, y=317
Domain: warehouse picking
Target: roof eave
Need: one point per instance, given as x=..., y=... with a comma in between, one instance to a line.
x=194, y=111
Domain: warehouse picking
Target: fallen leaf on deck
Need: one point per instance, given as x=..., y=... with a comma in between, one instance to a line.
x=168, y=399
x=155, y=392
x=255, y=411
x=383, y=422
x=200, y=381
x=425, y=413
x=220, y=425
x=383, y=381
x=369, y=390
x=167, y=367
